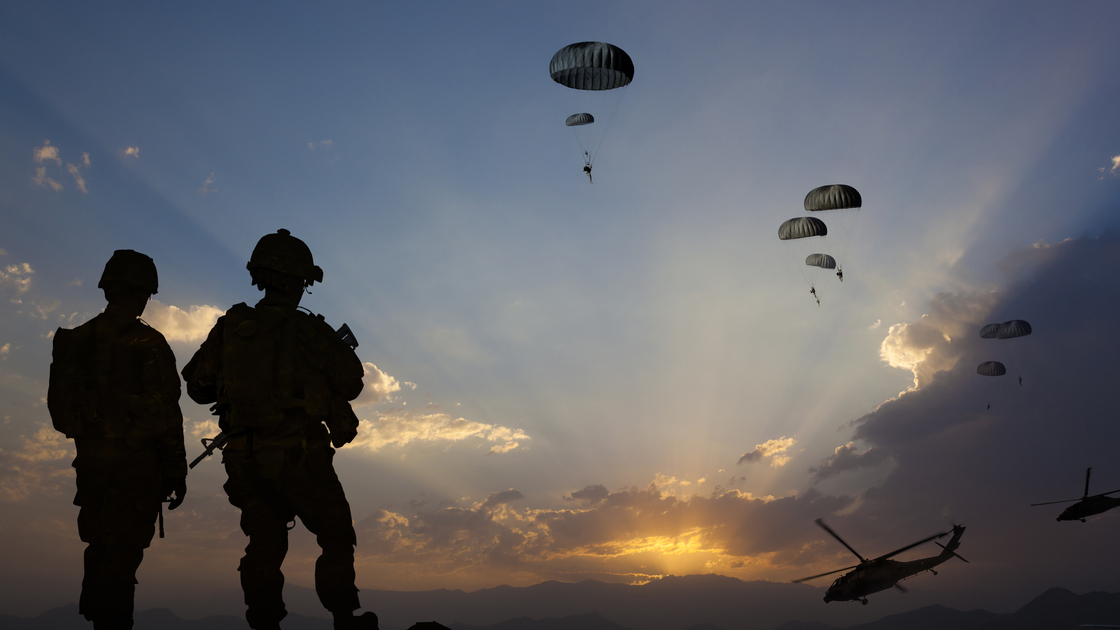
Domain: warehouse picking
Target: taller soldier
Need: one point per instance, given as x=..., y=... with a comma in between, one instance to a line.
x=115, y=391
x=280, y=377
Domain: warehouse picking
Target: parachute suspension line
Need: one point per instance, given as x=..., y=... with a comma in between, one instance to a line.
x=610, y=121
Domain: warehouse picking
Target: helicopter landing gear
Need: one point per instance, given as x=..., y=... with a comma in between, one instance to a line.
x=1082, y=520
x=863, y=601
x=933, y=572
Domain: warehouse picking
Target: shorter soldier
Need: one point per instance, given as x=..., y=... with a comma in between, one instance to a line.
x=280, y=378
x=115, y=391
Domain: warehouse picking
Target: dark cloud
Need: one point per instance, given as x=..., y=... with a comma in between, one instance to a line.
x=753, y=456
x=956, y=459
x=501, y=498
x=591, y=494
x=848, y=457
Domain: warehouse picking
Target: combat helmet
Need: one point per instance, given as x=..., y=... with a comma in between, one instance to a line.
x=130, y=268
x=287, y=254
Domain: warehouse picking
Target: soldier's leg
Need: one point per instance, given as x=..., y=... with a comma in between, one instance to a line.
x=261, y=577
x=117, y=519
x=321, y=505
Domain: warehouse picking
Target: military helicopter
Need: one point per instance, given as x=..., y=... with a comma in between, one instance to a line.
x=879, y=574
x=1086, y=505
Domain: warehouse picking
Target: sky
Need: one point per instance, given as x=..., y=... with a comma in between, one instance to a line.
x=614, y=381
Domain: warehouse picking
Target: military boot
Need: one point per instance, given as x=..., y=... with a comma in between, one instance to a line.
x=347, y=621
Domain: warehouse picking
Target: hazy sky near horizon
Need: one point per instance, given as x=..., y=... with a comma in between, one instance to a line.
x=617, y=380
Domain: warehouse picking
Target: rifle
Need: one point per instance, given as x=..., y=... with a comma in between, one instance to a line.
x=218, y=442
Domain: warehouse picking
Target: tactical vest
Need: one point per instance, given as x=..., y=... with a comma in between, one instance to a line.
x=273, y=367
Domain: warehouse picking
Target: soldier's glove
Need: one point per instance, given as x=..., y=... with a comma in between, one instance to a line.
x=173, y=490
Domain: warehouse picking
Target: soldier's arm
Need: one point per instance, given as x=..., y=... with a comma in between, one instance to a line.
x=201, y=372
x=172, y=451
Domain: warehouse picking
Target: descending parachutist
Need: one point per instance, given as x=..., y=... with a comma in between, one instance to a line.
x=989, y=405
x=840, y=274
x=1020, y=381
x=587, y=167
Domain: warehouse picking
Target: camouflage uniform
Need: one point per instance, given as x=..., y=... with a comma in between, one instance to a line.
x=115, y=391
x=276, y=374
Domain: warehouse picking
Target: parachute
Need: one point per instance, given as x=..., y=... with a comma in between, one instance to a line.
x=803, y=237
x=576, y=120
x=824, y=261
x=591, y=72
x=990, y=331
x=991, y=368
x=842, y=203
x=801, y=227
x=1013, y=328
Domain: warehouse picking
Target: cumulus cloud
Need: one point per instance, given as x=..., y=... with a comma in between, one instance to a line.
x=6, y=348
x=399, y=427
x=877, y=323
x=190, y=325
x=39, y=465
x=931, y=344
x=16, y=277
x=322, y=144
x=848, y=457
x=774, y=450
x=46, y=153
x=1114, y=170
x=503, y=448
x=132, y=152
x=626, y=531
x=378, y=386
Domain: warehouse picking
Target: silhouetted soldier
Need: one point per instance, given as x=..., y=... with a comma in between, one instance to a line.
x=277, y=375
x=115, y=391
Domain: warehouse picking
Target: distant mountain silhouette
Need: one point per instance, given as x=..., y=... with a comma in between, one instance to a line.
x=1056, y=608
x=593, y=621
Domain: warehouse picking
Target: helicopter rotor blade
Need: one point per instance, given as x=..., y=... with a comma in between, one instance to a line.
x=911, y=546
x=834, y=535
x=902, y=588
x=1087, y=472
x=1053, y=502
x=1104, y=494
x=813, y=577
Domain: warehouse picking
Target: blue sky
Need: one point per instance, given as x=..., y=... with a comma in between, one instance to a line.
x=644, y=329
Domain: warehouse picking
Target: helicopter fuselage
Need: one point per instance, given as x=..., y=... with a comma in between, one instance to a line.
x=877, y=575
x=1088, y=507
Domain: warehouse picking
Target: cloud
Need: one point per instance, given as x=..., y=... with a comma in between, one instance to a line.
x=628, y=531
x=17, y=277
x=41, y=179
x=378, y=386
x=1115, y=165
x=132, y=152
x=927, y=346
x=79, y=181
x=848, y=457
x=955, y=459
x=205, y=188
x=40, y=465
x=6, y=348
x=773, y=449
x=322, y=144
x=46, y=153
x=400, y=427
x=877, y=323
x=176, y=324
x=503, y=448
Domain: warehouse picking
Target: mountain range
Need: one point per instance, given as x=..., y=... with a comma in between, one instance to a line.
x=680, y=603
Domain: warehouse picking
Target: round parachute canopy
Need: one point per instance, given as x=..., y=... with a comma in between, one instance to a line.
x=990, y=331
x=824, y=261
x=591, y=66
x=833, y=197
x=576, y=120
x=802, y=227
x=991, y=368
x=1013, y=328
